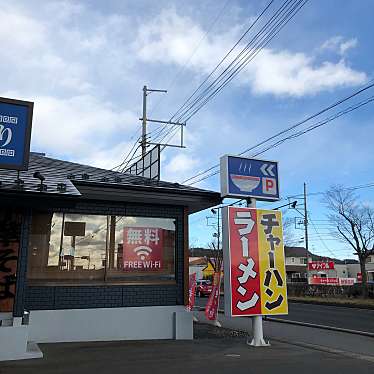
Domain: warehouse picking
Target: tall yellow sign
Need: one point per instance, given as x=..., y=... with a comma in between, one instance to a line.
x=255, y=275
x=272, y=262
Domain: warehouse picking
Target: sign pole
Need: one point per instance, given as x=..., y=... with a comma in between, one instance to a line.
x=257, y=328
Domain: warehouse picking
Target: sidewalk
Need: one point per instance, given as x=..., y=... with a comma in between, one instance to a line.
x=346, y=344
x=213, y=351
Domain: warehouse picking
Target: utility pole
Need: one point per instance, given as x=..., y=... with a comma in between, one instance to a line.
x=216, y=212
x=143, y=142
x=144, y=122
x=306, y=233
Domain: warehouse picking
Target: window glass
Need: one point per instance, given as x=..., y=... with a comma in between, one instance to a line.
x=141, y=248
x=96, y=248
x=67, y=247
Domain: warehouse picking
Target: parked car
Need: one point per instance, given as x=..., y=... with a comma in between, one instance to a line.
x=203, y=287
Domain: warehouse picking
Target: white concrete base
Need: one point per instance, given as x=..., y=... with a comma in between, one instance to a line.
x=258, y=333
x=105, y=324
x=183, y=325
x=6, y=319
x=14, y=346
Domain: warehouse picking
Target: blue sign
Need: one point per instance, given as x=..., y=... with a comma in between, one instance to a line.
x=249, y=177
x=15, y=133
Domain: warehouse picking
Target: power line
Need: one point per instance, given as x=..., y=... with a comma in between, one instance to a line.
x=361, y=186
x=127, y=155
x=271, y=28
x=339, y=102
x=222, y=60
x=318, y=124
x=180, y=71
x=240, y=62
x=242, y=59
x=164, y=128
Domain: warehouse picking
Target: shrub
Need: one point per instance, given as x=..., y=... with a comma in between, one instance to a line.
x=303, y=289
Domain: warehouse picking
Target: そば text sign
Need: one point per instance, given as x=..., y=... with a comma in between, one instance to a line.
x=15, y=133
x=142, y=248
x=255, y=276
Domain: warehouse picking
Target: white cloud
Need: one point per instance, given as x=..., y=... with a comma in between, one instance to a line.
x=167, y=41
x=351, y=43
x=294, y=74
x=179, y=167
x=63, y=67
x=339, y=44
x=19, y=33
x=82, y=127
x=173, y=39
x=80, y=65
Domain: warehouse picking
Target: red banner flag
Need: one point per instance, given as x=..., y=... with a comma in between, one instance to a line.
x=191, y=291
x=211, y=308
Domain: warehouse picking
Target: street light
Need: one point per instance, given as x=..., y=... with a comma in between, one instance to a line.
x=291, y=205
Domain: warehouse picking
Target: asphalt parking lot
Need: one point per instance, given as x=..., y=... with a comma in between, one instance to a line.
x=213, y=351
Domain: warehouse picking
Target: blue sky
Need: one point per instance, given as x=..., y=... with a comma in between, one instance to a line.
x=84, y=64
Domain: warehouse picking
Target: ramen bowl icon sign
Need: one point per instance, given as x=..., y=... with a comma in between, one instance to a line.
x=246, y=183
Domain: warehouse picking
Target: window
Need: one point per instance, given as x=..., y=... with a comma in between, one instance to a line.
x=96, y=248
x=292, y=259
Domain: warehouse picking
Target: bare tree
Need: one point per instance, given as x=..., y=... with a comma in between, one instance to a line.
x=354, y=224
x=216, y=259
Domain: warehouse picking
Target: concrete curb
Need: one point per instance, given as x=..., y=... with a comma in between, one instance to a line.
x=306, y=324
x=323, y=327
x=352, y=306
x=323, y=348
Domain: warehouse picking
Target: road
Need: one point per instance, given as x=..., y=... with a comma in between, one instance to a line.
x=348, y=318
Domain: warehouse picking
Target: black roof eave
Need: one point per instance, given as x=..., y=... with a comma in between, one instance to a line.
x=160, y=189
x=195, y=201
x=27, y=199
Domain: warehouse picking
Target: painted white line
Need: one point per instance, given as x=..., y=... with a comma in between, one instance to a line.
x=324, y=327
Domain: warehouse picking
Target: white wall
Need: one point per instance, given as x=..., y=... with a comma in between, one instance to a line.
x=104, y=324
x=353, y=269
x=341, y=271
x=198, y=269
x=295, y=260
